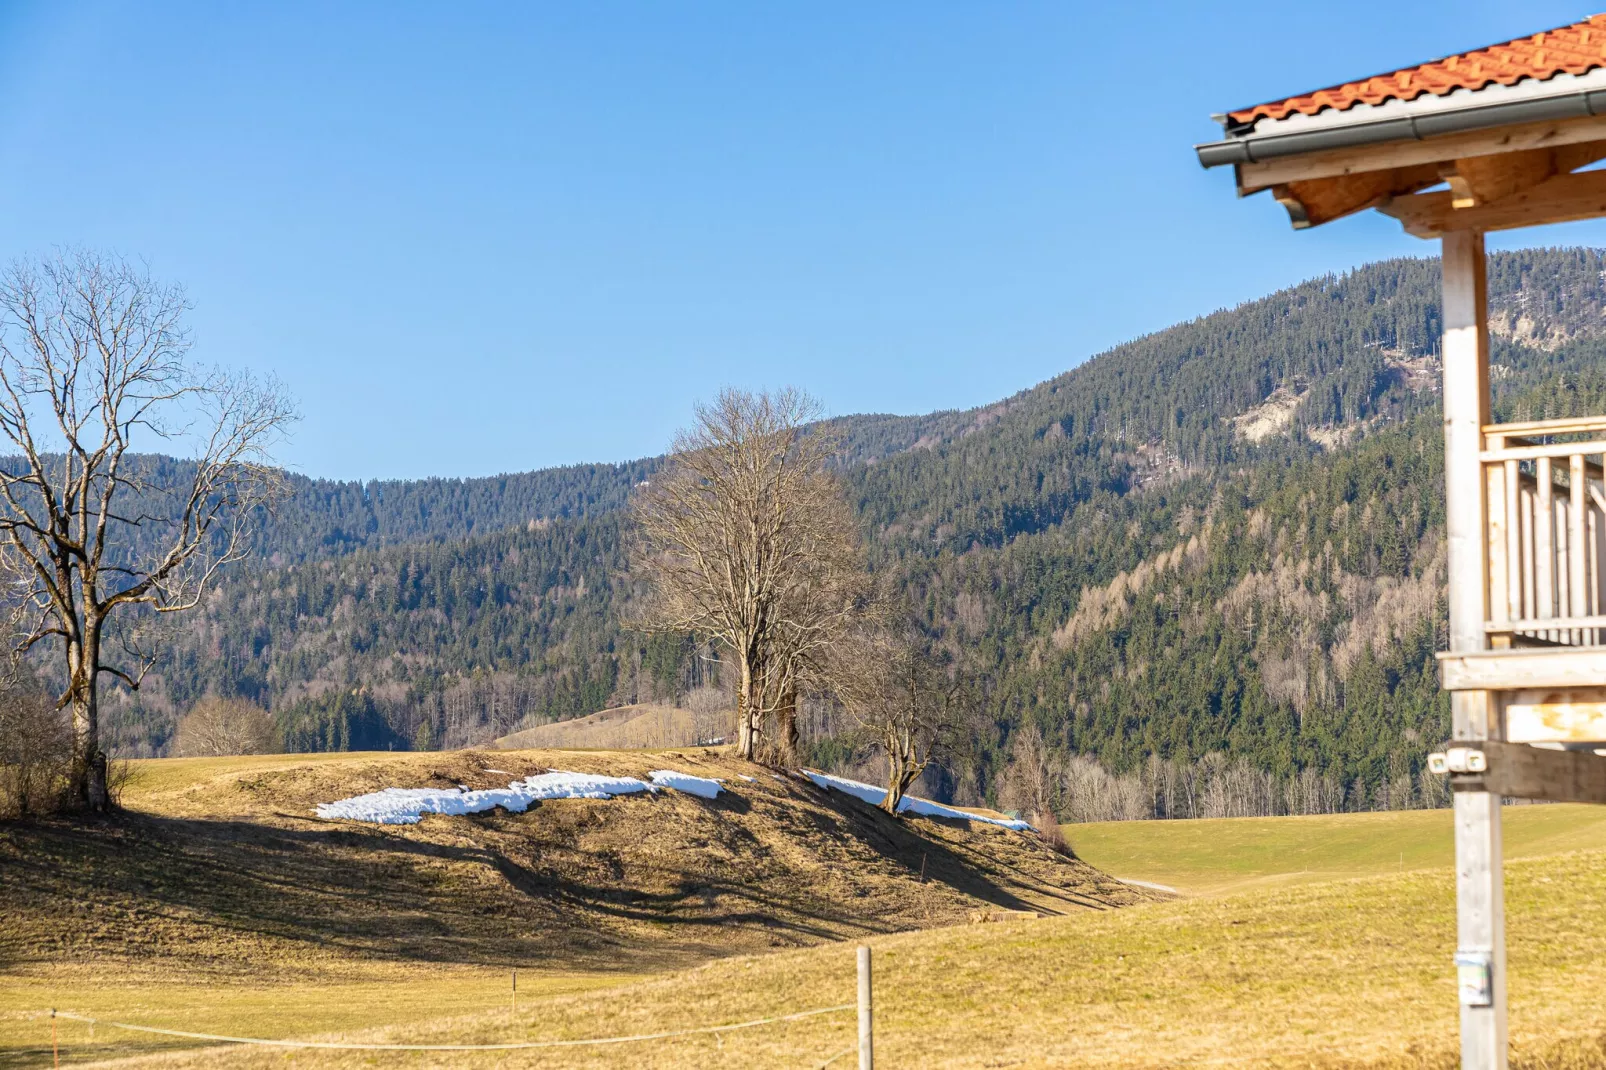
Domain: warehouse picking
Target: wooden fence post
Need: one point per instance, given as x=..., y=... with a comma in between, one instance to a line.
x=866, y=1034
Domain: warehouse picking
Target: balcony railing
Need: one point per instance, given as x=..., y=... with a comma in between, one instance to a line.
x=1546, y=540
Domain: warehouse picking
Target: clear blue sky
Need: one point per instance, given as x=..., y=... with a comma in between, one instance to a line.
x=477, y=238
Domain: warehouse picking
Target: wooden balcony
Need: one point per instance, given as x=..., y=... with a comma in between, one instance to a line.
x=1543, y=655
x=1546, y=537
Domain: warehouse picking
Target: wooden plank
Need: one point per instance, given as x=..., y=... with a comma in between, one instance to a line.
x=1496, y=544
x=1513, y=523
x=1545, y=545
x=1253, y=177
x=1513, y=670
x=1544, y=542
x=1496, y=454
x=1550, y=715
x=1518, y=771
x=1534, y=624
x=1577, y=552
x=1528, y=581
x=1567, y=426
x=1558, y=199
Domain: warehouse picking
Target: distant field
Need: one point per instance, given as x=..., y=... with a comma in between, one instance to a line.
x=624, y=728
x=1237, y=854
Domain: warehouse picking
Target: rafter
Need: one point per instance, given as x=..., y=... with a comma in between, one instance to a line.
x=1560, y=198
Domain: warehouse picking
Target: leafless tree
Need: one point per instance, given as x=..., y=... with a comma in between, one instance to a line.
x=745, y=539
x=95, y=540
x=907, y=698
x=219, y=726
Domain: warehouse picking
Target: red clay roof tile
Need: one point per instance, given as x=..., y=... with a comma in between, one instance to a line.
x=1574, y=49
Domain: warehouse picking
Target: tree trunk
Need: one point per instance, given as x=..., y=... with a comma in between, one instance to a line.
x=787, y=728
x=746, y=726
x=898, y=779
x=87, y=782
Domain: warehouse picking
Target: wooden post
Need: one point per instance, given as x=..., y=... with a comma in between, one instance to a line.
x=866, y=1034
x=1480, y=898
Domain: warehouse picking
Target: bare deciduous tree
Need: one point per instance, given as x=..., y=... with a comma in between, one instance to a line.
x=218, y=726
x=745, y=539
x=94, y=355
x=908, y=699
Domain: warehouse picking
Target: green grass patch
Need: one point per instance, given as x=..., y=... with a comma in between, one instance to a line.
x=1232, y=854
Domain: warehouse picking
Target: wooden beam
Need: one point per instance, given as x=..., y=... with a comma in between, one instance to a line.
x=1514, y=670
x=1466, y=412
x=1558, y=199
x=1253, y=177
x=1477, y=180
x=1519, y=771
x=1572, y=157
x=1311, y=204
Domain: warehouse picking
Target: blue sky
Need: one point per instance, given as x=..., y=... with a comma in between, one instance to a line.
x=478, y=238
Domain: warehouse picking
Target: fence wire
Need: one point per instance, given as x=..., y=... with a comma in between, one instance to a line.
x=523, y=1045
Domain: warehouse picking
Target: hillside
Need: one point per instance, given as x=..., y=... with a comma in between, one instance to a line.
x=171, y=892
x=1223, y=538
x=1343, y=974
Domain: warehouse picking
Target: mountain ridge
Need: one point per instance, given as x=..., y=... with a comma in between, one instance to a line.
x=1128, y=572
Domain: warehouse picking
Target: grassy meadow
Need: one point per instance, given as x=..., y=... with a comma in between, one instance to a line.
x=1242, y=853
x=1321, y=941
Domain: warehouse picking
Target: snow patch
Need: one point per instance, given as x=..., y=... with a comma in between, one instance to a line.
x=749, y=779
x=702, y=787
x=908, y=804
x=405, y=806
x=1148, y=884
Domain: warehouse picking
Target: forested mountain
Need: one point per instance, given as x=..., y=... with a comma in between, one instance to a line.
x=1223, y=537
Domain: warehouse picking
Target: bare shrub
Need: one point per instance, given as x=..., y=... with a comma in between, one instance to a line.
x=35, y=754
x=1031, y=780
x=1053, y=837
x=220, y=726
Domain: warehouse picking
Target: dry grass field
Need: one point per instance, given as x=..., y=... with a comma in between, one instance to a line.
x=219, y=903
x=1338, y=974
x=641, y=727
x=1302, y=970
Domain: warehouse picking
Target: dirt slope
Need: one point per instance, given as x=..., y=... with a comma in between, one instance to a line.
x=220, y=865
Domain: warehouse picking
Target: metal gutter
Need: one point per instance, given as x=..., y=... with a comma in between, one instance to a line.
x=1404, y=128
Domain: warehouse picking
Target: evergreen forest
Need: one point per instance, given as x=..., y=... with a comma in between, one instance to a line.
x=1222, y=542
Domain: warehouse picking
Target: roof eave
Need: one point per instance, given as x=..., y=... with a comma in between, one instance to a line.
x=1258, y=147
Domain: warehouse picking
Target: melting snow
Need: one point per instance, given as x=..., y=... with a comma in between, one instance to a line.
x=702, y=787
x=908, y=804
x=405, y=806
